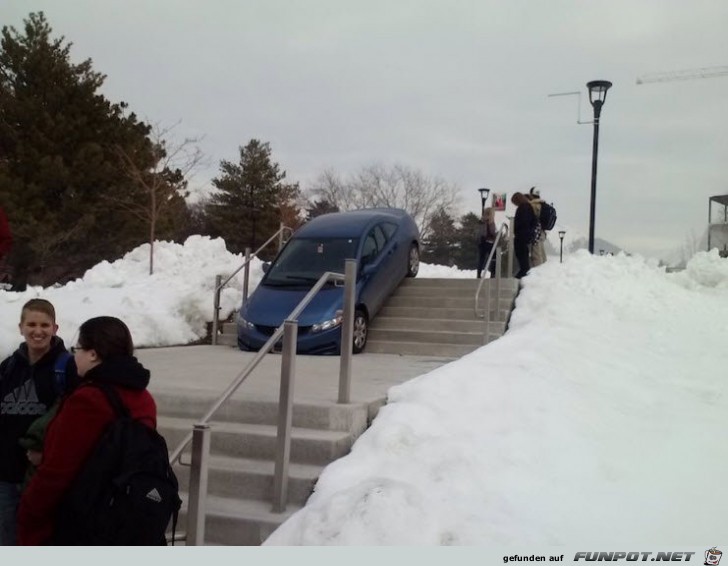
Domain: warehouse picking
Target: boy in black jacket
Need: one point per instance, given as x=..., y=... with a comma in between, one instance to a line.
x=28, y=389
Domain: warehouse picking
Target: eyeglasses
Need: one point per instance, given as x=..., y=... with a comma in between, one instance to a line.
x=75, y=349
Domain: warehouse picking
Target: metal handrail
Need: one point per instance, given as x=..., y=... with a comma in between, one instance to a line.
x=242, y=376
x=219, y=285
x=502, y=232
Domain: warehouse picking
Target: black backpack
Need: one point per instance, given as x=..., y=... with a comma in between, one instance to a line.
x=126, y=493
x=547, y=217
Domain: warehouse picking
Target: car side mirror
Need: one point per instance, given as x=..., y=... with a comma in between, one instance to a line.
x=266, y=267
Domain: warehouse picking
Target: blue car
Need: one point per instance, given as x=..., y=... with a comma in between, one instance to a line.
x=385, y=244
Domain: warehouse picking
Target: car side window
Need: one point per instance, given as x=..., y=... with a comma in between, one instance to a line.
x=380, y=237
x=370, y=249
x=389, y=229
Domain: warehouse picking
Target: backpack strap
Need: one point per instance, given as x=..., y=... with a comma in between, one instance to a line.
x=112, y=397
x=60, y=375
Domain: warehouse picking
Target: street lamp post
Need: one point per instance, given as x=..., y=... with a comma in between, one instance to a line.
x=562, y=233
x=483, y=198
x=597, y=96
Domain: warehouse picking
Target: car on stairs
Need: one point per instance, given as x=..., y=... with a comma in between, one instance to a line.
x=385, y=244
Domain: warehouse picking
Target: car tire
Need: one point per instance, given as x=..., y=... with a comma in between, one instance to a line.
x=361, y=331
x=413, y=261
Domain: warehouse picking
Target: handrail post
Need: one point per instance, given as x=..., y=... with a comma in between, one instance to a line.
x=511, y=249
x=497, y=284
x=198, y=485
x=285, y=416
x=216, y=309
x=347, y=331
x=486, y=316
x=246, y=275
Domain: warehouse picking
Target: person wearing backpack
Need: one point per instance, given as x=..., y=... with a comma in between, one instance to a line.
x=28, y=391
x=104, y=358
x=538, y=251
x=525, y=231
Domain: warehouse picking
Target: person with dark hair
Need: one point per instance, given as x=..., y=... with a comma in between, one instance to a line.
x=525, y=231
x=104, y=355
x=6, y=243
x=486, y=238
x=28, y=391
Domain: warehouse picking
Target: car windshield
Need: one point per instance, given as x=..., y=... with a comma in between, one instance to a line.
x=304, y=260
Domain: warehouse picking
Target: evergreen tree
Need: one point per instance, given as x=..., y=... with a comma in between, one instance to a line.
x=59, y=144
x=252, y=199
x=319, y=207
x=438, y=248
x=466, y=244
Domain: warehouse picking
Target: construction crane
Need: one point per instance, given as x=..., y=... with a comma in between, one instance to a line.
x=684, y=75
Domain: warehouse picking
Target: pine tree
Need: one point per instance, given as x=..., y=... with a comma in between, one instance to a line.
x=248, y=208
x=466, y=245
x=319, y=207
x=438, y=248
x=58, y=142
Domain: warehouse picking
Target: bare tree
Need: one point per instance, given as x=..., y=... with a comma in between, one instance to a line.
x=398, y=186
x=163, y=181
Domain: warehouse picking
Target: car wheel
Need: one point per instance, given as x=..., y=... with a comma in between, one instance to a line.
x=361, y=331
x=413, y=261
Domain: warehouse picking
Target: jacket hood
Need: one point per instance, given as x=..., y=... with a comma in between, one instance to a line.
x=124, y=371
x=57, y=346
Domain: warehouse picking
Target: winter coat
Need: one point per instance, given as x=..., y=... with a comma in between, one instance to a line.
x=72, y=435
x=525, y=224
x=27, y=392
x=487, y=232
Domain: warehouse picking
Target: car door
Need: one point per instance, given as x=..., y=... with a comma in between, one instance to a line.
x=377, y=261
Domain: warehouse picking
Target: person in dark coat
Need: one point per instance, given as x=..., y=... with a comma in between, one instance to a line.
x=27, y=392
x=104, y=354
x=525, y=231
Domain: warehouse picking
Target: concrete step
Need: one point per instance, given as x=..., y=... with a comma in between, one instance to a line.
x=429, y=291
x=433, y=336
x=247, y=478
x=445, y=325
x=419, y=348
x=432, y=313
x=308, y=446
x=445, y=301
x=322, y=415
x=453, y=283
x=228, y=339
x=239, y=522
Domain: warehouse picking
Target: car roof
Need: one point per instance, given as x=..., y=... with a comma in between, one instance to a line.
x=349, y=224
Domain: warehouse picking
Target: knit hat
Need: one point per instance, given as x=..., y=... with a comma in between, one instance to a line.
x=534, y=192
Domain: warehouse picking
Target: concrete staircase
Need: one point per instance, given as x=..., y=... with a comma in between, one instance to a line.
x=430, y=317
x=242, y=452
x=437, y=317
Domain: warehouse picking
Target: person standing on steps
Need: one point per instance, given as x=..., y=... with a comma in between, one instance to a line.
x=486, y=239
x=525, y=231
x=538, y=250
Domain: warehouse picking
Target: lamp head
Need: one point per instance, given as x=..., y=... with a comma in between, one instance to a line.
x=598, y=92
x=484, y=193
x=562, y=233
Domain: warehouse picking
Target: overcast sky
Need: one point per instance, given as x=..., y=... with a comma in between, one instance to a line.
x=457, y=89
